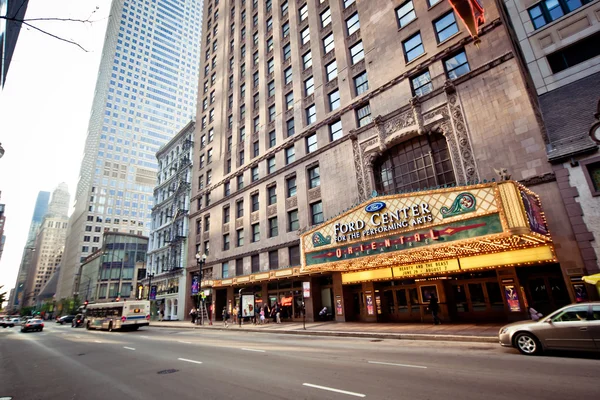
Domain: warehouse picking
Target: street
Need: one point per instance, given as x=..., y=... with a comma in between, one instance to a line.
x=156, y=363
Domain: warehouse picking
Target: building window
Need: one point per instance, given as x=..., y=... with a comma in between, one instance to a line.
x=271, y=89
x=254, y=173
x=413, y=47
x=239, y=267
x=311, y=143
x=331, y=70
x=325, y=18
x=242, y=133
x=254, y=263
x=309, y=86
x=239, y=237
x=328, y=44
x=294, y=255
x=272, y=113
x=314, y=178
x=421, y=84
x=549, y=10
x=254, y=201
x=307, y=60
x=206, y=223
x=271, y=165
x=445, y=27
x=255, y=233
x=574, y=54
x=228, y=166
x=352, y=24
x=334, y=100
x=269, y=24
x=240, y=182
x=290, y=127
x=287, y=52
x=285, y=29
x=316, y=213
x=335, y=130
x=293, y=223
x=363, y=115
x=289, y=101
x=226, y=241
x=361, y=83
x=273, y=259
x=303, y=12
x=239, y=209
x=241, y=158
x=256, y=124
x=270, y=44
x=456, y=65
x=357, y=52
x=421, y=162
x=255, y=149
x=287, y=75
x=291, y=186
x=311, y=115
x=225, y=270
x=284, y=9
x=405, y=14
x=273, y=229
x=305, y=36
x=348, y=3
x=432, y=3
x=591, y=170
x=290, y=155
x=226, y=213
x=271, y=195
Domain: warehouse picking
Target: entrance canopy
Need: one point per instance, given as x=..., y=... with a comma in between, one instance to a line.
x=432, y=232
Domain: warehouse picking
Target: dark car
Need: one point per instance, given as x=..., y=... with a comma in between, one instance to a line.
x=65, y=319
x=33, y=325
x=78, y=321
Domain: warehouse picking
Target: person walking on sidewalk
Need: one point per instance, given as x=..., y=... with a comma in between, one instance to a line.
x=434, y=307
x=278, y=313
x=193, y=315
x=225, y=317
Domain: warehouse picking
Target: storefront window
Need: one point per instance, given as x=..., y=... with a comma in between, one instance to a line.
x=477, y=297
x=402, y=301
x=460, y=298
x=421, y=162
x=495, y=296
x=388, y=296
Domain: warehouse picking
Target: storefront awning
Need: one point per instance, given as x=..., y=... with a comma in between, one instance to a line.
x=432, y=232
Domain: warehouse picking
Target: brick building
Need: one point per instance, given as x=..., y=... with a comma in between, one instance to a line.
x=314, y=105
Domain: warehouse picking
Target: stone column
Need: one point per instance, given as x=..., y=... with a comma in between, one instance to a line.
x=338, y=296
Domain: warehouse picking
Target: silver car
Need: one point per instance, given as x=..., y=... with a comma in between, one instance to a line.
x=574, y=327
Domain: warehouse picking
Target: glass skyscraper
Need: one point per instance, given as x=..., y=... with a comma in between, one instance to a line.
x=145, y=93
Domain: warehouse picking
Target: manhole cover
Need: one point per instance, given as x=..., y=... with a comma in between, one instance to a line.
x=167, y=371
x=377, y=340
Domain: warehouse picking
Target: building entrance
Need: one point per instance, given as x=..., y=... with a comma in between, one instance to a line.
x=475, y=298
x=545, y=288
x=399, y=303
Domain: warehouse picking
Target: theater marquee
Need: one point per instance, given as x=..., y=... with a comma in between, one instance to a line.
x=432, y=232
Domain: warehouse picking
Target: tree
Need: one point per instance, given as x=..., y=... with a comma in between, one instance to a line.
x=2, y=297
x=32, y=22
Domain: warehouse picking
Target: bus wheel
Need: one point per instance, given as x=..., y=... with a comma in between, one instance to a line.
x=87, y=326
x=110, y=327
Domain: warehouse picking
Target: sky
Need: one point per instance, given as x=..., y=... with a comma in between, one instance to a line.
x=44, y=111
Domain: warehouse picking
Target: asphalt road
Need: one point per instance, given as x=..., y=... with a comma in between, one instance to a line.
x=154, y=363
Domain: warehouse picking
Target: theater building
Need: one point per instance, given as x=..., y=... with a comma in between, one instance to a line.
x=324, y=111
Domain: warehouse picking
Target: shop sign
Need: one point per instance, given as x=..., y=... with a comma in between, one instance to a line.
x=459, y=230
x=247, y=305
x=435, y=267
x=306, y=289
x=153, y=292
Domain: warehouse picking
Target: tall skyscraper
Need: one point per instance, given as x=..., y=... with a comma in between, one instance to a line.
x=41, y=207
x=49, y=244
x=145, y=93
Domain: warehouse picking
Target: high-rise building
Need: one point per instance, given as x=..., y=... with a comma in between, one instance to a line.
x=317, y=106
x=145, y=93
x=41, y=207
x=49, y=245
x=560, y=46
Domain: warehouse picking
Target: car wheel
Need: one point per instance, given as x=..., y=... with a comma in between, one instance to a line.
x=110, y=327
x=527, y=344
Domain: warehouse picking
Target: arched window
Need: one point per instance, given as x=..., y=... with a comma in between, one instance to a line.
x=421, y=162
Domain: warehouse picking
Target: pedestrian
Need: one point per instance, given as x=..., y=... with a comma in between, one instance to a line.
x=262, y=316
x=535, y=316
x=323, y=314
x=225, y=317
x=193, y=315
x=161, y=314
x=235, y=315
x=278, y=313
x=434, y=307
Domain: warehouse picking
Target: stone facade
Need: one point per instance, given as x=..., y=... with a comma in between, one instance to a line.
x=486, y=115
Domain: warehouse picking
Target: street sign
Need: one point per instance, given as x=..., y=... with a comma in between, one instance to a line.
x=306, y=289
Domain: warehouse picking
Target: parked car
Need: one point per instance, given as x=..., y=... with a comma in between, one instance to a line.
x=65, y=319
x=7, y=322
x=78, y=321
x=33, y=325
x=574, y=327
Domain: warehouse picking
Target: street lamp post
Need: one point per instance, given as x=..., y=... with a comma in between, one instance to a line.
x=150, y=276
x=200, y=260
x=240, y=308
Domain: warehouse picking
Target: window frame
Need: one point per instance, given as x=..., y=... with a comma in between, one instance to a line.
x=360, y=53
x=453, y=56
x=352, y=28
x=449, y=26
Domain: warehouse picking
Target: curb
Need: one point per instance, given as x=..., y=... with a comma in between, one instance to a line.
x=373, y=335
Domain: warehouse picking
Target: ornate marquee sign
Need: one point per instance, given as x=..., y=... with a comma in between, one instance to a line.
x=431, y=232
x=471, y=13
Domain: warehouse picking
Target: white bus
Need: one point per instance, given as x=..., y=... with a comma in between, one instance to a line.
x=126, y=315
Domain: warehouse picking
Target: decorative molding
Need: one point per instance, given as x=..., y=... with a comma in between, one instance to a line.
x=239, y=223
x=254, y=217
x=307, y=72
x=225, y=227
x=291, y=202
x=331, y=85
x=538, y=179
x=349, y=10
x=358, y=168
x=328, y=57
x=271, y=210
x=462, y=136
x=355, y=37
x=205, y=235
x=308, y=100
x=314, y=194
x=358, y=67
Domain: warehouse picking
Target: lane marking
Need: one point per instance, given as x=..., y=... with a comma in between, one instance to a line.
x=145, y=337
x=334, y=390
x=256, y=350
x=97, y=341
x=128, y=348
x=190, y=361
x=397, y=365
x=181, y=341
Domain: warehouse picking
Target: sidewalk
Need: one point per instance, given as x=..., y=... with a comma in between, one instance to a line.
x=486, y=333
